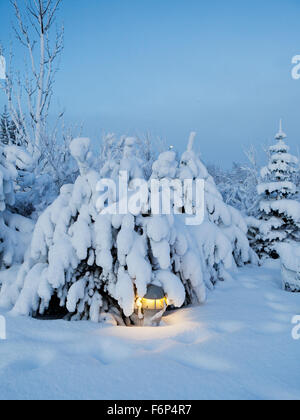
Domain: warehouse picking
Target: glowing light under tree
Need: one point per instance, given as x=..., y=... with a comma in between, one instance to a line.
x=152, y=306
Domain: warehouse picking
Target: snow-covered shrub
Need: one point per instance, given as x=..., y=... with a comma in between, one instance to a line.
x=15, y=230
x=290, y=266
x=279, y=212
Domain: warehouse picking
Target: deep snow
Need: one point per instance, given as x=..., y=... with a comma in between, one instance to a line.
x=238, y=345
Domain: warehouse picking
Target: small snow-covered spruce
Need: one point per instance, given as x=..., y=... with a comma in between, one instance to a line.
x=279, y=212
x=15, y=230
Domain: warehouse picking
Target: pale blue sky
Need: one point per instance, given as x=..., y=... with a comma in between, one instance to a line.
x=221, y=68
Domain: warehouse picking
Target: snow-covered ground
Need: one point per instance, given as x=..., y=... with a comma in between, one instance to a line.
x=237, y=345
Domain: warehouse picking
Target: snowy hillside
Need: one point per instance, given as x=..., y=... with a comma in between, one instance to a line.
x=237, y=345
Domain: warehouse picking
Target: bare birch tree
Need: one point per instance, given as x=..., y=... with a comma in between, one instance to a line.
x=29, y=95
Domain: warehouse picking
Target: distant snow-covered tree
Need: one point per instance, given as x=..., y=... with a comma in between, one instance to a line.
x=8, y=129
x=238, y=185
x=279, y=213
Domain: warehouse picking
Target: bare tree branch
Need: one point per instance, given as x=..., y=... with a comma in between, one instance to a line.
x=34, y=23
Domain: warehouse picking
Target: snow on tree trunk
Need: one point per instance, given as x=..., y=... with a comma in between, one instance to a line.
x=278, y=218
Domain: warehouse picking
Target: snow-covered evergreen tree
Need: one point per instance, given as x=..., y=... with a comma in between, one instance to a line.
x=279, y=213
x=95, y=265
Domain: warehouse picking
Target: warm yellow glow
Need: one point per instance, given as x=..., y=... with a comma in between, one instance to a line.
x=152, y=304
x=148, y=303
